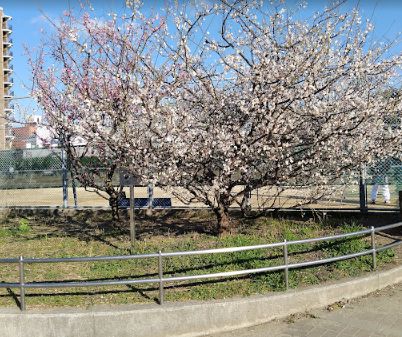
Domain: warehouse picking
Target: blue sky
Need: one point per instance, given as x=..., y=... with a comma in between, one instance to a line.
x=28, y=22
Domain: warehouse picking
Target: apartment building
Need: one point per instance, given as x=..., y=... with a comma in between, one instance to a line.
x=6, y=82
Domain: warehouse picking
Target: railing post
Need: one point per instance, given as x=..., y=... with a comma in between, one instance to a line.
x=373, y=248
x=22, y=283
x=285, y=257
x=160, y=272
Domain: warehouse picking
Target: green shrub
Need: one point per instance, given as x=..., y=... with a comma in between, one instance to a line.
x=24, y=226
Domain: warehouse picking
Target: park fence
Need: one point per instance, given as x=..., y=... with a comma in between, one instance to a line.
x=161, y=280
x=31, y=177
x=41, y=178
x=382, y=182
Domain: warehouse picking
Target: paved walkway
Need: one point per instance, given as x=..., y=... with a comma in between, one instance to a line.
x=377, y=315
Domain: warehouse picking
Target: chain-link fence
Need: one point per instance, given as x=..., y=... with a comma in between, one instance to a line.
x=383, y=182
x=35, y=178
x=40, y=178
x=377, y=189
x=30, y=177
x=342, y=196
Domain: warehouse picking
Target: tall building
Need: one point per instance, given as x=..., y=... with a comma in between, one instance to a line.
x=6, y=82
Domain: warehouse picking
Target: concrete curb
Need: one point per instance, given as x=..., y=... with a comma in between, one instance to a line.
x=186, y=319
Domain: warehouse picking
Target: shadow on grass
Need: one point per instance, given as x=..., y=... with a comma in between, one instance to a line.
x=105, y=231
x=88, y=227
x=278, y=285
x=14, y=296
x=130, y=289
x=236, y=263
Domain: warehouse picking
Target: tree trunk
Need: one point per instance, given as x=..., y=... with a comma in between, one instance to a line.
x=115, y=207
x=246, y=201
x=225, y=226
x=114, y=203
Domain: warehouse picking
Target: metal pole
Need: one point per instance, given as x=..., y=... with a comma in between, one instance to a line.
x=22, y=283
x=64, y=178
x=400, y=201
x=286, y=260
x=373, y=248
x=160, y=272
x=132, y=218
x=73, y=185
x=362, y=190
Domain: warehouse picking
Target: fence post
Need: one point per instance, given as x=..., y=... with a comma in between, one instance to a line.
x=160, y=272
x=373, y=248
x=22, y=283
x=363, y=190
x=64, y=178
x=286, y=260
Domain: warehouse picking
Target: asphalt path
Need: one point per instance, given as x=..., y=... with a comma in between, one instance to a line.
x=376, y=315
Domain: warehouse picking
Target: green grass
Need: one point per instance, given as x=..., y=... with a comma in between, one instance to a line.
x=37, y=238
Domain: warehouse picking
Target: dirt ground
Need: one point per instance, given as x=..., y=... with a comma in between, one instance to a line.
x=344, y=198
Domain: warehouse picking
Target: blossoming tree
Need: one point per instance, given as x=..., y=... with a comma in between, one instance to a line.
x=265, y=100
x=101, y=89
x=270, y=100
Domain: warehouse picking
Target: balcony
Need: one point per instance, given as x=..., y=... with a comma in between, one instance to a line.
x=7, y=30
x=8, y=56
x=8, y=110
x=9, y=96
x=8, y=83
x=8, y=44
x=8, y=69
x=7, y=17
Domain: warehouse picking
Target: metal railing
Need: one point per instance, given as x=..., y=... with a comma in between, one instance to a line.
x=161, y=280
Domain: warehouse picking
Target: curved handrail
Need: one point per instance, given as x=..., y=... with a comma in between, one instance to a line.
x=160, y=255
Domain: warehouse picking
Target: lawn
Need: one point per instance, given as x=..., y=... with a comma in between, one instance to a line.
x=86, y=236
